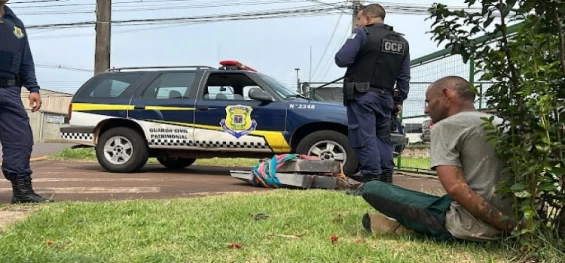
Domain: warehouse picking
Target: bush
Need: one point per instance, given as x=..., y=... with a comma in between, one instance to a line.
x=529, y=69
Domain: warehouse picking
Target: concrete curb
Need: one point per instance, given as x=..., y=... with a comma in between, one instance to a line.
x=40, y=158
x=421, y=176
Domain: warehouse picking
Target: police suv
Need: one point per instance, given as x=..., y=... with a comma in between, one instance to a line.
x=179, y=114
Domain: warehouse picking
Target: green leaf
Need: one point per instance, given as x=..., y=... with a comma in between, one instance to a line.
x=518, y=187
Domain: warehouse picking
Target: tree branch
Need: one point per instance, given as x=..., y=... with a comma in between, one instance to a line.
x=561, y=39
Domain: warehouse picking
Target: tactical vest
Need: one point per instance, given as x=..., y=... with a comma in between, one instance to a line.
x=12, y=40
x=380, y=58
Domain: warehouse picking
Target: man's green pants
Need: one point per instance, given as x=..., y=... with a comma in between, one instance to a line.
x=420, y=212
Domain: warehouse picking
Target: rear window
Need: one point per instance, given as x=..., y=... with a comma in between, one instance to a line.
x=173, y=85
x=109, y=85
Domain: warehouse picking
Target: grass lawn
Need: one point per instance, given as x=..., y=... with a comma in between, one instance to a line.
x=298, y=229
x=88, y=154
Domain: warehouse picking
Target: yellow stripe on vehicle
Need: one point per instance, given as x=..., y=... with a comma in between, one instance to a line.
x=168, y=108
x=95, y=106
x=275, y=140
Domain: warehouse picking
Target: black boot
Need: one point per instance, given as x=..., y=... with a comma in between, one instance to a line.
x=386, y=178
x=23, y=192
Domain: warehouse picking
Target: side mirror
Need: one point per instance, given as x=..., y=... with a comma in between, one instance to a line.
x=259, y=94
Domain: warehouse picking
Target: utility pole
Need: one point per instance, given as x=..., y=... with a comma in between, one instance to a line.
x=356, y=7
x=103, y=32
x=297, y=80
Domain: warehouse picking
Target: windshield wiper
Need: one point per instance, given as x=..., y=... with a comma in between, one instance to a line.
x=297, y=96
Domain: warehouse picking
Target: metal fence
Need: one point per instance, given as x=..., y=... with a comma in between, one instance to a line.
x=424, y=70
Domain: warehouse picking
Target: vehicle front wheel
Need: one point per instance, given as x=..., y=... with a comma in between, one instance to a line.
x=176, y=163
x=330, y=145
x=121, y=150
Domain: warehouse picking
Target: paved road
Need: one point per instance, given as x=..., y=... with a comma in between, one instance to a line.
x=76, y=181
x=42, y=149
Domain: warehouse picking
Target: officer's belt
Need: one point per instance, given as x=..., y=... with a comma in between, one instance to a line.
x=4, y=83
x=380, y=91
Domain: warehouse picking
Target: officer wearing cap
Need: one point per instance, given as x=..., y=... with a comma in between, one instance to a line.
x=16, y=70
x=376, y=57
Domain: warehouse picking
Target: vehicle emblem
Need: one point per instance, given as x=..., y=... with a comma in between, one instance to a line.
x=238, y=121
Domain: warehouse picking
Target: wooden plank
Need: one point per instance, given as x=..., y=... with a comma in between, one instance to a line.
x=309, y=166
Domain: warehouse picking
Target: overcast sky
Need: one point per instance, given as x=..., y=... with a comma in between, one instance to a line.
x=273, y=46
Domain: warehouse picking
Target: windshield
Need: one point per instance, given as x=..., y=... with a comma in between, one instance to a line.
x=278, y=87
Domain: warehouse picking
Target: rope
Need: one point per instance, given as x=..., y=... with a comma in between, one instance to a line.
x=265, y=173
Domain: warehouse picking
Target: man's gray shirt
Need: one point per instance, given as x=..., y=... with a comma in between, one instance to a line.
x=461, y=141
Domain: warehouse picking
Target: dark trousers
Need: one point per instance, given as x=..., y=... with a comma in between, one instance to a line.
x=369, y=132
x=423, y=213
x=15, y=134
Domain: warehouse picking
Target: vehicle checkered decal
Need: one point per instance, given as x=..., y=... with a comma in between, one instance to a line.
x=77, y=136
x=217, y=144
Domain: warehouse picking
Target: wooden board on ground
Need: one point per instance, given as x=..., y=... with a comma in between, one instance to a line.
x=305, y=181
x=309, y=166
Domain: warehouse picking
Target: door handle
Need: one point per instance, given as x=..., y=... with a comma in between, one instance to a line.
x=202, y=107
x=139, y=107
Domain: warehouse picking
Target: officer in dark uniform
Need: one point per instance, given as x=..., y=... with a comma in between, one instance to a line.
x=376, y=58
x=16, y=70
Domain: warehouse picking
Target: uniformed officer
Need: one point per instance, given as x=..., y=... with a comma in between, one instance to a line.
x=376, y=58
x=16, y=70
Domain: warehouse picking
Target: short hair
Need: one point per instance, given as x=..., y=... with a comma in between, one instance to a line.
x=374, y=10
x=463, y=88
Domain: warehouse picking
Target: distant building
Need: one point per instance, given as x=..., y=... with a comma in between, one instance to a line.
x=46, y=122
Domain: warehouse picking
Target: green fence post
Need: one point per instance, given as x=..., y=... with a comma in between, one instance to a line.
x=472, y=69
x=480, y=96
x=399, y=158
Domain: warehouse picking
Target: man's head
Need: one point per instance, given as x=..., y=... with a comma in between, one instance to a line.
x=2, y=2
x=448, y=96
x=371, y=14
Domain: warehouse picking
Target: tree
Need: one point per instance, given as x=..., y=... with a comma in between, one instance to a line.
x=528, y=67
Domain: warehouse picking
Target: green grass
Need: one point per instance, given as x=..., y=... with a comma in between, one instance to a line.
x=88, y=154
x=414, y=163
x=298, y=229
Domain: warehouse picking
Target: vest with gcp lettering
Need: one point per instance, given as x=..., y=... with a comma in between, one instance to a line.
x=380, y=58
x=12, y=43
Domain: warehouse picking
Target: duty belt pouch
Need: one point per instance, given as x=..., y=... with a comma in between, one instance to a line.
x=349, y=92
x=362, y=87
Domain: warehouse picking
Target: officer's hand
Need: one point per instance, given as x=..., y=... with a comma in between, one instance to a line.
x=34, y=101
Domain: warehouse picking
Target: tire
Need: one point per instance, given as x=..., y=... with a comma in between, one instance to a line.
x=138, y=153
x=176, y=163
x=320, y=139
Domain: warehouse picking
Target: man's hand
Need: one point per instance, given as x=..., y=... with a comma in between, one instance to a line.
x=398, y=109
x=34, y=101
x=452, y=179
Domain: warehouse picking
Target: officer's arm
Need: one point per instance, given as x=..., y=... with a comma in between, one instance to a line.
x=27, y=69
x=346, y=55
x=403, y=81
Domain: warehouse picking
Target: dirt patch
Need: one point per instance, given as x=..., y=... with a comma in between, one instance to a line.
x=13, y=214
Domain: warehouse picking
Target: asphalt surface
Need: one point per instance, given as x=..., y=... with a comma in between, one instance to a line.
x=42, y=149
x=80, y=181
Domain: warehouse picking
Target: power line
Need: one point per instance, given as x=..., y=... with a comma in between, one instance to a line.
x=161, y=7
x=237, y=16
x=327, y=45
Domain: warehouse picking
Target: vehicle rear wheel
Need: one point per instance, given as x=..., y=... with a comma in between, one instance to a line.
x=121, y=150
x=176, y=163
x=330, y=145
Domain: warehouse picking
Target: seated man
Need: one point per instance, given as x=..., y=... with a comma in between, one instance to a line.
x=467, y=167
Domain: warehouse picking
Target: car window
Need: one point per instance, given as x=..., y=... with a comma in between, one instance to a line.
x=109, y=85
x=174, y=85
x=228, y=86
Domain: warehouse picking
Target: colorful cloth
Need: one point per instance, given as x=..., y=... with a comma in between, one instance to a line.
x=265, y=173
